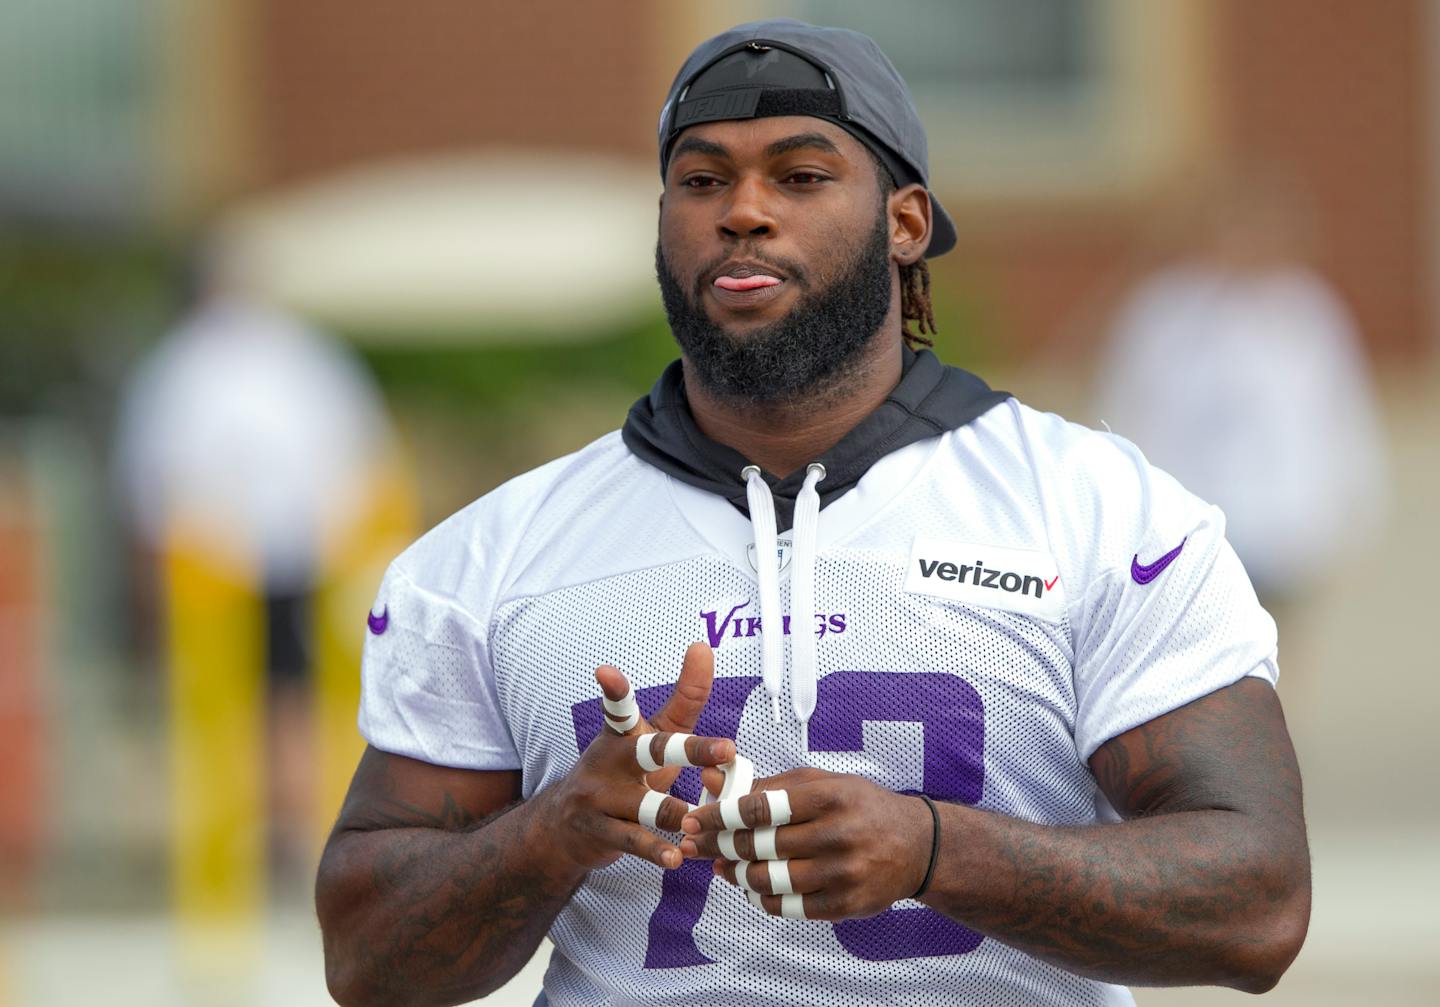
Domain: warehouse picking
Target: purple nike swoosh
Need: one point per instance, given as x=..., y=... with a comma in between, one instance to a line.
x=378, y=623
x=1145, y=573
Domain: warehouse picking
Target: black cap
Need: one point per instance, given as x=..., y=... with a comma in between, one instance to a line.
x=787, y=67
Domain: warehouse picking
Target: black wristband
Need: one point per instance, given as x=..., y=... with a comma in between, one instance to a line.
x=934, y=847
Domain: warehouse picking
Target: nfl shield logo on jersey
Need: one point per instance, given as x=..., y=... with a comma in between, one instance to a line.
x=782, y=546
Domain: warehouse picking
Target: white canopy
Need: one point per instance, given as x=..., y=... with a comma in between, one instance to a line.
x=498, y=245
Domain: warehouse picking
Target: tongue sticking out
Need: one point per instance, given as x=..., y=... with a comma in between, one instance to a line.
x=746, y=282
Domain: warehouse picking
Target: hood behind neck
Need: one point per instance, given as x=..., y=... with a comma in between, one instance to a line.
x=929, y=399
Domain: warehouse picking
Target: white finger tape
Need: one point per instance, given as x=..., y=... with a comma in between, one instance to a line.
x=730, y=813
x=765, y=844
x=780, y=877
x=622, y=707
x=792, y=907
x=742, y=876
x=642, y=753
x=650, y=806
x=621, y=726
x=739, y=778
x=779, y=802
x=727, y=845
x=675, y=750
x=755, y=900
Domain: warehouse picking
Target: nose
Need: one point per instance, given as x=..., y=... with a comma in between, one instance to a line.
x=746, y=212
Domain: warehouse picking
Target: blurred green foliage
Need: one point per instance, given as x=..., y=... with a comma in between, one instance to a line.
x=74, y=310
x=485, y=376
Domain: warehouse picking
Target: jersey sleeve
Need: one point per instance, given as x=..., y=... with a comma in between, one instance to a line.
x=1168, y=615
x=427, y=687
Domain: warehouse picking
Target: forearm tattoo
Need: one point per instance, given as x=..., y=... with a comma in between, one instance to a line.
x=435, y=898
x=1211, y=865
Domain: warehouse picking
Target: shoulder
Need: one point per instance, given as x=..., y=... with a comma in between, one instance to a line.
x=1072, y=460
x=1102, y=501
x=464, y=558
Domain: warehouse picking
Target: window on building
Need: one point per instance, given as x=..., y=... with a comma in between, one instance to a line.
x=75, y=108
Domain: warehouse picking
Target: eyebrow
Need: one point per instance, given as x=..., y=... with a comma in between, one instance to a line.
x=695, y=145
x=800, y=141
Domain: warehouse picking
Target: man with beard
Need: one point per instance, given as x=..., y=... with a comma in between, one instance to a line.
x=1006, y=690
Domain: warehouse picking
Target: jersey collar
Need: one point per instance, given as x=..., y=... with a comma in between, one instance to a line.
x=929, y=399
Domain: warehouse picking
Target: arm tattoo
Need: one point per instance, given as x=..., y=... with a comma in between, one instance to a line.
x=439, y=898
x=1207, y=882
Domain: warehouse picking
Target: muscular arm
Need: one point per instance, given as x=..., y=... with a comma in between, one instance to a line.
x=1206, y=882
x=435, y=886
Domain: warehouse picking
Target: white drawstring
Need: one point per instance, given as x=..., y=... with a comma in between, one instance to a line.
x=767, y=565
x=803, y=672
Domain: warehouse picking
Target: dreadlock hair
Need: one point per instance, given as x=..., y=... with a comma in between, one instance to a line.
x=914, y=278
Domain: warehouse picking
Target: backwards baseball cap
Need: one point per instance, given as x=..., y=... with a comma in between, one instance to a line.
x=787, y=67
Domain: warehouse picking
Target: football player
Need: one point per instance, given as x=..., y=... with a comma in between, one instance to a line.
x=1007, y=691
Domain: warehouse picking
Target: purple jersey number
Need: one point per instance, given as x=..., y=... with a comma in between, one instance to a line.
x=682, y=891
x=954, y=741
x=953, y=717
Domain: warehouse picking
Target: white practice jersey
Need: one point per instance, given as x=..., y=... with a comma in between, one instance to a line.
x=991, y=605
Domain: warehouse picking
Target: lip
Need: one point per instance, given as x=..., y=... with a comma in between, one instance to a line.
x=753, y=297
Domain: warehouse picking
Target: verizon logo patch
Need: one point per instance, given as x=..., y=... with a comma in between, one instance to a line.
x=1016, y=580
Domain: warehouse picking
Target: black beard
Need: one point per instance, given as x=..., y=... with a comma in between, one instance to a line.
x=807, y=353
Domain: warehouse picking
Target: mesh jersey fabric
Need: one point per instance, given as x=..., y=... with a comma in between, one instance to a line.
x=498, y=617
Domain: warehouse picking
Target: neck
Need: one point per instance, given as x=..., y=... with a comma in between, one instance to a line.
x=782, y=437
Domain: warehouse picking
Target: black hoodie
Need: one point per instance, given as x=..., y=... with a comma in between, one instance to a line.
x=929, y=399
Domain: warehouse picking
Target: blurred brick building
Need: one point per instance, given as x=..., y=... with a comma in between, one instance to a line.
x=1054, y=122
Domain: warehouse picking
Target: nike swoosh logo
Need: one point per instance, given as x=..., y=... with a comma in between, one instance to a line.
x=1050, y=584
x=377, y=623
x=1143, y=573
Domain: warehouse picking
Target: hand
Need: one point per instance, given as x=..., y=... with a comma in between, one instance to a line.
x=681, y=711
x=850, y=848
x=596, y=809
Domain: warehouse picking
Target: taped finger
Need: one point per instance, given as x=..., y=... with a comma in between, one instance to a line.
x=726, y=841
x=742, y=876
x=792, y=907
x=779, y=801
x=650, y=806
x=780, y=877
x=730, y=813
x=675, y=750
x=642, y=753
x=765, y=844
x=623, y=713
x=739, y=778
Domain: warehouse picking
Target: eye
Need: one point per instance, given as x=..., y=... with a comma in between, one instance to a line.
x=806, y=177
x=699, y=182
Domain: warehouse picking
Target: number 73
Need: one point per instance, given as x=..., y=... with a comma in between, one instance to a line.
x=953, y=721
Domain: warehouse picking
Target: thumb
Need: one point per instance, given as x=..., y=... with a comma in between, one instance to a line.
x=692, y=691
x=612, y=681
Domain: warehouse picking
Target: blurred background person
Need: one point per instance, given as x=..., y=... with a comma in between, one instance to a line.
x=1237, y=368
x=251, y=439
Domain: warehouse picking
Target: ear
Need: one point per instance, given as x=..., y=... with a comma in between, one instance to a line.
x=909, y=209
